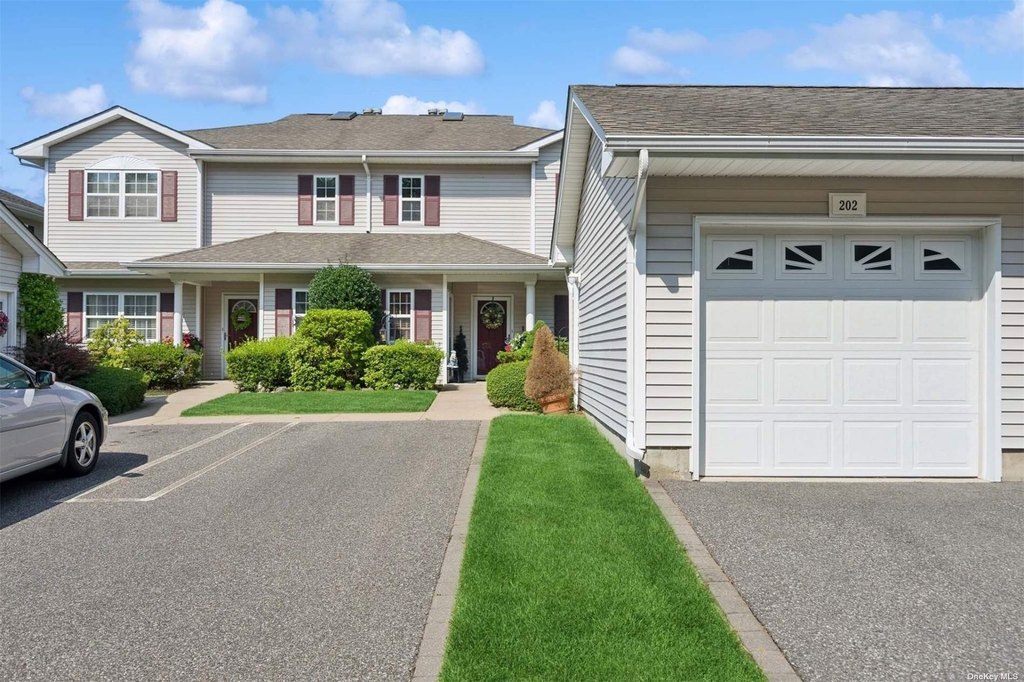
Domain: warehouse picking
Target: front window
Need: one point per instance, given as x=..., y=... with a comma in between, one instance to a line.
x=399, y=315
x=412, y=199
x=139, y=309
x=326, y=198
x=121, y=194
x=300, y=304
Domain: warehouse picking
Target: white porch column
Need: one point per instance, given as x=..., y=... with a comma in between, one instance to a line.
x=199, y=311
x=179, y=292
x=531, y=304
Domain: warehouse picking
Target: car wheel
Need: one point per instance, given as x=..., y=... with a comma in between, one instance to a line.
x=83, y=447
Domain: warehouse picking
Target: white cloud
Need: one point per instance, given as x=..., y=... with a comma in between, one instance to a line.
x=404, y=104
x=645, y=52
x=547, y=115
x=372, y=38
x=635, y=62
x=1003, y=32
x=883, y=49
x=73, y=104
x=212, y=52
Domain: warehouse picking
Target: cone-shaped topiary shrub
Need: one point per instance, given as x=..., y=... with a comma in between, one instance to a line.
x=549, y=373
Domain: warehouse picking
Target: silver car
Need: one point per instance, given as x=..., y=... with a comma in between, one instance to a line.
x=43, y=422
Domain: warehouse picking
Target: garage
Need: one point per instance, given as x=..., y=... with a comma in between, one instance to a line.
x=832, y=352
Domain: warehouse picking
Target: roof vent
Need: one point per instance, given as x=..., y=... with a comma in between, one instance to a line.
x=453, y=116
x=371, y=112
x=343, y=116
x=436, y=112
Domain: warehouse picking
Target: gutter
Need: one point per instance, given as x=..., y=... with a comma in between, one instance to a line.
x=816, y=144
x=257, y=267
x=357, y=155
x=369, y=214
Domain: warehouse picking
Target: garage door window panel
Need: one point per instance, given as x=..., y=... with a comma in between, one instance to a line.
x=942, y=258
x=735, y=257
x=803, y=258
x=873, y=258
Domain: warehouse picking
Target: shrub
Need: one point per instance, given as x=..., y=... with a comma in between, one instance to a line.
x=260, y=365
x=110, y=342
x=165, y=366
x=118, y=389
x=58, y=354
x=461, y=352
x=345, y=287
x=522, y=345
x=549, y=373
x=328, y=347
x=403, y=364
x=505, y=387
x=39, y=310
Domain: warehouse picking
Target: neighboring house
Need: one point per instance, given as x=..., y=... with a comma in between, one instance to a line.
x=785, y=281
x=20, y=251
x=200, y=231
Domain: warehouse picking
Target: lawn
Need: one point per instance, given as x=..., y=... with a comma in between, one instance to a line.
x=571, y=571
x=313, y=402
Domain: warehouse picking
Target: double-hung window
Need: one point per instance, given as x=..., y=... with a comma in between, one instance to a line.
x=326, y=198
x=412, y=198
x=300, y=304
x=122, y=194
x=399, y=314
x=139, y=309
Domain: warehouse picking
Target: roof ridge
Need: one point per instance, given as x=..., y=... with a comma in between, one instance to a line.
x=778, y=86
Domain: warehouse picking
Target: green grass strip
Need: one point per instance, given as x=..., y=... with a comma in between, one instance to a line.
x=313, y=402
x=572, y=573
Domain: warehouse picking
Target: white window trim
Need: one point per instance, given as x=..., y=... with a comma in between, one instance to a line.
x=784, y=241
x=316, y=200
x=756, y=241
x=411, y=316
x=964, y=273
x=401, y=199
x=121, y=194
x=120, y=310
x=296, y=318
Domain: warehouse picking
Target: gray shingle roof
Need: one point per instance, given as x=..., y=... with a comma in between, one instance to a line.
x=357, y=248
x=764, y=110
x=375, y=132
x=14, y=201
x=94, y=265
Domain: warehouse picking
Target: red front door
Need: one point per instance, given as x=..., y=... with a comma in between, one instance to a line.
x=491, y=331
x=243, y=319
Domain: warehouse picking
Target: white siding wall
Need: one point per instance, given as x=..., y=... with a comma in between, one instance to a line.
x=108, y=239
x=544, y=195
x=10, y=266
x=671, y=204
x=601, y=264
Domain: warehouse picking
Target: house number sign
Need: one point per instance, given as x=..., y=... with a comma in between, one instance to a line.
x=847, y=205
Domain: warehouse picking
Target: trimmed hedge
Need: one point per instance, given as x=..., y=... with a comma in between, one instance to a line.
x=118, y=389
x=403, y=364
x=39, y=310
x=328, y=347
x=505, y=387
x=260, y=365
x=345, y=287
x=164, y=365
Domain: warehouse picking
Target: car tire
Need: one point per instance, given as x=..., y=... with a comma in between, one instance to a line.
x=83, y=448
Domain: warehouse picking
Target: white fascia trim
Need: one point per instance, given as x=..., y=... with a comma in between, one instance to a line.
x=376, y=267
x=578, y=103
x=39, y=147
x=53, y=264
x=106, y=274
x=357, y=156
x=817, y=144
x=537, y=145
x=563, y=165
x=815, y=221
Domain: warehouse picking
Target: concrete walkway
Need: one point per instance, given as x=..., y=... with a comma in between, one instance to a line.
x=463, y=401
x=165, y=409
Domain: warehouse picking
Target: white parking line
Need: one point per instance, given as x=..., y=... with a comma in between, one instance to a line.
x=158, y=460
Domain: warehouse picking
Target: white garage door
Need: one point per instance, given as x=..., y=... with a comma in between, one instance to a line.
x=842, y=354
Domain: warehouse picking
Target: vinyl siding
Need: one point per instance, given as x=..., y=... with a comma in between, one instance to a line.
x=601, y=265
x=672, y=202
x=245, y=200
x=544, y=196
x=108, y=239
x=134, y=286
x=10, y=266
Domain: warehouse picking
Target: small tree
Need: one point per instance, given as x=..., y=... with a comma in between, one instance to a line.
x=109, y=343
x=549, y=374
x=39, y=309
x=345, y=287
x=461, y=353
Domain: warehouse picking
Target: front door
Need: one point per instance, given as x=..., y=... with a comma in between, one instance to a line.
x=491, y=332
x=243, y=321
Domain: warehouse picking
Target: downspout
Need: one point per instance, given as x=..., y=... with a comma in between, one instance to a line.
x=369, y=211
x=643, y=167
x=572, y=280
x=636, y=266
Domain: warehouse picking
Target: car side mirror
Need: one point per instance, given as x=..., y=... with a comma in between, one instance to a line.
x=45, y=378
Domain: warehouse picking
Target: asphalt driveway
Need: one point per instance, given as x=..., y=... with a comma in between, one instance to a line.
x=870, y=581
x=232, y=552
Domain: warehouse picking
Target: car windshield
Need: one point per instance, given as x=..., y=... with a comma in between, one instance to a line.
x=12, y=376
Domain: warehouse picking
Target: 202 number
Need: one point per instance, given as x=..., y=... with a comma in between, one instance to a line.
x=847, y=204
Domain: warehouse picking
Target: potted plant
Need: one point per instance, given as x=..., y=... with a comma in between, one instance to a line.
x=548, y=377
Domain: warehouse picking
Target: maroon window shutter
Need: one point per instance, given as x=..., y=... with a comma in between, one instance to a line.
x=166, y=315
x=305, y=200
x=76, y=194
x=556, y=183
x=76, y=322
x=283, y=312
x=346, y=200
x=432, y=200
x=422, y=321
x=390, y=199
x=562, y=315
x=169, y=196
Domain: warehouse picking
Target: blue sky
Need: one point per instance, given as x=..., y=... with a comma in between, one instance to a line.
x=207, y=63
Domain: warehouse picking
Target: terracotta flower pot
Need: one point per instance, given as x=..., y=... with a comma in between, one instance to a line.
x=555, y=404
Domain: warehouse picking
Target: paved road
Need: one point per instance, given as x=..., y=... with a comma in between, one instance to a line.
x=872, y=581
x=309, y=553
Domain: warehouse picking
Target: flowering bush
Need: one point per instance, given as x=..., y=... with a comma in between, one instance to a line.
x=3, y=323
x=191, y=341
